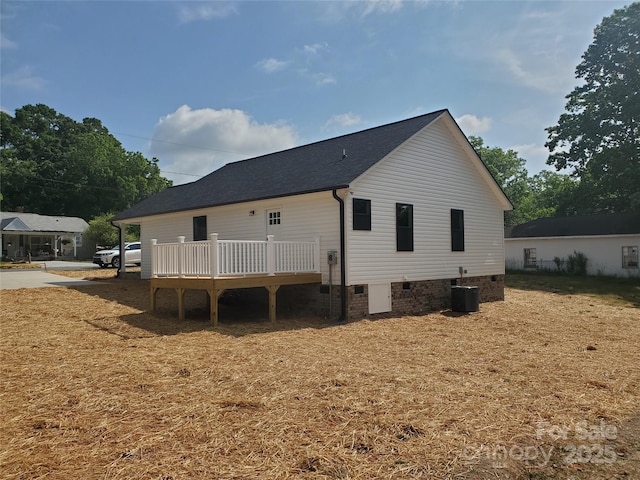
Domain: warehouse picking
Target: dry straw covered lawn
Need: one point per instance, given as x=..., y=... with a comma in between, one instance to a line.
x=93, y=386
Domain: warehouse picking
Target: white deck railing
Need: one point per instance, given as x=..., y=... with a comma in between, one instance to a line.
x=222, y=258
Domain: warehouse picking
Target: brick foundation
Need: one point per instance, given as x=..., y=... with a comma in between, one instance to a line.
x=490, y=288
x=407, y=298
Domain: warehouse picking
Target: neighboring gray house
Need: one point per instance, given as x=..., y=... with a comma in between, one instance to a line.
x=43, y=236
x=408, y=207
x=610, y=242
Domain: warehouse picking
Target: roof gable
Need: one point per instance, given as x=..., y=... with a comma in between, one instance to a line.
x=14, y=224
x=33, y=222
x=576, y=226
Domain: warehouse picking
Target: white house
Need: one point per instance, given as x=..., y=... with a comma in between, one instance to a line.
x=43, y=236
x=610, y=243
x=408, y=208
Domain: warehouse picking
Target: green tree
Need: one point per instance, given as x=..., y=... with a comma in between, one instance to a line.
x=51, y=164
x=599, y=135
x=553, y=194
x=102, y=232
x=509, y=171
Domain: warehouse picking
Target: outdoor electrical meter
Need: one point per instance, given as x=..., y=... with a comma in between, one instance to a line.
x=332, y=257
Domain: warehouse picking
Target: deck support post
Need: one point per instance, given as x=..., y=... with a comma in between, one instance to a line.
x=273, y=289
x=217, y=286
x=180, y=292
x=214, y=295
x=154, y=290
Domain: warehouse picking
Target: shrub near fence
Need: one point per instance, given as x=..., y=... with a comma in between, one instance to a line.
x=577, y=264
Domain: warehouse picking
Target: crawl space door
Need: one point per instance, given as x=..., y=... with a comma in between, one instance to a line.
x=379, y=297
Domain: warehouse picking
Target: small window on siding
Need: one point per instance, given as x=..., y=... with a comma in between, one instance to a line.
x=275, y=218
x=630, y=257
x=530, y=258
x=457, y=230
x=361, y=214
x=200, y=228
x=404, y=227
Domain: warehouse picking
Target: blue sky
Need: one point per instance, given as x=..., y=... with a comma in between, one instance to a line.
x=199, y=84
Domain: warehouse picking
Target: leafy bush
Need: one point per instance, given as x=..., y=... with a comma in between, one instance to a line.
x=560, y=262
x=103, y=233
x=577, y=264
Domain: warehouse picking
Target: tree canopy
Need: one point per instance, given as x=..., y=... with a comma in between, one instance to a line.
x=53, y=165
x=509, y=171
x=543, y=195
x=599, y=135
x=103, y=233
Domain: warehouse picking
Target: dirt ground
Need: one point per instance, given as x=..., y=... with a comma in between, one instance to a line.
x=540, y=386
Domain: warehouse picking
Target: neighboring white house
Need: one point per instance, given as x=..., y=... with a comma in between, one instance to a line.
x=408, y=207
x=610, y=243
x=43, y=236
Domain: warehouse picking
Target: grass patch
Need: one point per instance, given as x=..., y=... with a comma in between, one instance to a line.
x=617, y=291
x=20, y=266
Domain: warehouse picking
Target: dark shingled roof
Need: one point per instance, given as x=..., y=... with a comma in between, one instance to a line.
x=309, y=168
x=608, y=224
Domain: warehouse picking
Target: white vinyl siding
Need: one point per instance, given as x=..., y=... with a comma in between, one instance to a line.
x=434, y=173
x=303, y=217
x=603, y=252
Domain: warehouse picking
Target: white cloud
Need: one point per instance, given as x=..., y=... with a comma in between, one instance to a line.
x=315, y=48
x=271, y=65
x=321, y=78
x=301, y=59
x=343, y=120
x=205, y=11
x=537, y=49
x=199, y=141
x=530, y=71
x=382, y=6
x=5, y=43
x=332, y=12
x=473, y=125
x=23, y=78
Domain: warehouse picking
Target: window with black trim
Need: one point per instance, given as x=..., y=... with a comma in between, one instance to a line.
x=199, y=228
x=361, y=214
x=404, y=227
x=630, y=257
x=457, y=230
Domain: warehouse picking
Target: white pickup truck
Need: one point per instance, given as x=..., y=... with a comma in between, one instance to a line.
x=106, y=258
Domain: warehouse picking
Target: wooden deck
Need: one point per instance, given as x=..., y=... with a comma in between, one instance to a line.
x=216, y=286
